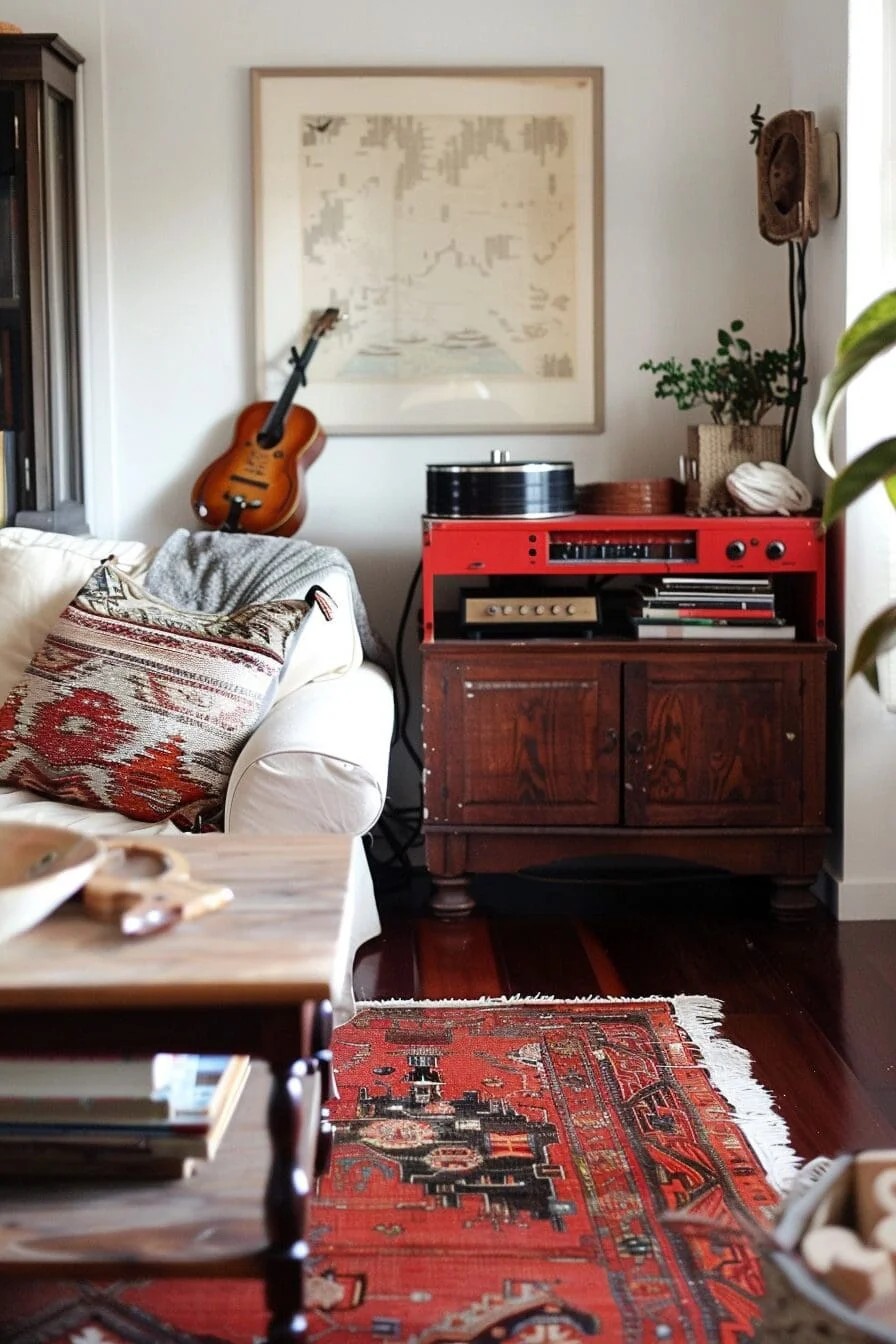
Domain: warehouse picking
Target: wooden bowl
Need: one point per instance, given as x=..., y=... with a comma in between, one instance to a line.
x=665, y=495
x=40, y=867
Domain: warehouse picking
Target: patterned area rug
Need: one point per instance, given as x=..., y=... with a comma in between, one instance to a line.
x=503, y=1171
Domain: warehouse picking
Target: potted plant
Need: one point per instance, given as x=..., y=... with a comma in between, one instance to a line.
x=739, y=386
x=871, y=334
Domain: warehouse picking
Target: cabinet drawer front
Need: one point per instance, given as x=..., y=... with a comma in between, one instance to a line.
x=530, y=741
x=714, y=743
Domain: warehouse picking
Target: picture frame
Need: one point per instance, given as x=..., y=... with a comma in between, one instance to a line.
x=455, y=219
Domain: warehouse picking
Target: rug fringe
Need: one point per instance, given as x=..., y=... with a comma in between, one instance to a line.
x=728, y=1066
x=498, y=999
x=730, y=1070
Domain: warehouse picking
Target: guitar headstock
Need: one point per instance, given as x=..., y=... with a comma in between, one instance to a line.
x=326, y=322
x=328, y=319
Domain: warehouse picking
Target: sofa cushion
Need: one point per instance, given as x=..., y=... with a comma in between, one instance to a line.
x=328, y=644
x=34, y=809
x=135, y=706
x=132, y=556
x=40, y=572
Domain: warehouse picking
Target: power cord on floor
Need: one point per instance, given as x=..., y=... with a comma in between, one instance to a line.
x=399, y=829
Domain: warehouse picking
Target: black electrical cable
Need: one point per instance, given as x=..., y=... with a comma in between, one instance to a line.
x=792, y=358
x=797, y=372
x=401, y=827
x=399, y=663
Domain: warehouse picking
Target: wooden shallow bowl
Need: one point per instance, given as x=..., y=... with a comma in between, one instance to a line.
x=40, y=867
x=665, y=495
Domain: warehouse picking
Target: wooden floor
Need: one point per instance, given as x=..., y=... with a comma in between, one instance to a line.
x=814, y=1002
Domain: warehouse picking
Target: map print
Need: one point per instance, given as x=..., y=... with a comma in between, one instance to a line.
x=447, y=241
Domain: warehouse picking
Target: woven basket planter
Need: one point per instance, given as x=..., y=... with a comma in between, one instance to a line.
x=714, y=451
x=797, y=1307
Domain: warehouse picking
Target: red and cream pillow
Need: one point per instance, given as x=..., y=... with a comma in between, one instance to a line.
x=136, y=707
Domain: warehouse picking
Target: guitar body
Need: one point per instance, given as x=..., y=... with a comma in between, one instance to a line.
x=255, y=488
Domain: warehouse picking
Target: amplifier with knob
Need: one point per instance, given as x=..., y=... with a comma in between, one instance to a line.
x=528, y=612
x=523, y=553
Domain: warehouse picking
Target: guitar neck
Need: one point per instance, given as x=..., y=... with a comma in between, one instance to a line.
x=271, y=431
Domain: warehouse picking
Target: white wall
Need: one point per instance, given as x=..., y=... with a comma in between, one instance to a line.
x=168, y=246
x=867, y=885
x=166, y=97
x=837, y=69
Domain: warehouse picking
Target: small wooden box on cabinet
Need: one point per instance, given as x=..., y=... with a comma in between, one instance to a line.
x=537, y=749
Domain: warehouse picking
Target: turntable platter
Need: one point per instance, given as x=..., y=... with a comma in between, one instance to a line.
x=500, y=490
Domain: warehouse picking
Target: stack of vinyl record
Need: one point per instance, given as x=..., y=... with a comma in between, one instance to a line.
x=500, y=489
x=708, y=607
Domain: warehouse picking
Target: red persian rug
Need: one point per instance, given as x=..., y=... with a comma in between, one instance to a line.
x=503, y=1171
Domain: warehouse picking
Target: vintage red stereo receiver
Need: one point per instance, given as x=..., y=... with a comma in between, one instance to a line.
x=598, y=546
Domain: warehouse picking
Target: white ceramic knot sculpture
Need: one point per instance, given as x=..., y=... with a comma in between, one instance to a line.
x=767, y=487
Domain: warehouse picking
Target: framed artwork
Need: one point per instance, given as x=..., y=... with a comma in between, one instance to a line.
x=454, y=218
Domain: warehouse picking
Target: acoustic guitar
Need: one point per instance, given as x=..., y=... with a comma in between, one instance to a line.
x=257, y=484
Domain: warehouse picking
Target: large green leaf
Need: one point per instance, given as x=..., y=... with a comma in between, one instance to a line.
x=871, y=334
x=876, y=464
x=877, y=637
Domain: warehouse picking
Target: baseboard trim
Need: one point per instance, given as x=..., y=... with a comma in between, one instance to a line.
x=853, y=900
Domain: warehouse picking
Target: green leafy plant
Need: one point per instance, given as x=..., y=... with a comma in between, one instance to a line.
x=738, y=385
x=873, y=333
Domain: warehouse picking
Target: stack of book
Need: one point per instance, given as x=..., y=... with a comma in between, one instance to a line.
x=148, y=1117
x=708, y=607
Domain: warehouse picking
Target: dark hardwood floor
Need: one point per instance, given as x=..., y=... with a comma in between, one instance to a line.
x=813, y=1001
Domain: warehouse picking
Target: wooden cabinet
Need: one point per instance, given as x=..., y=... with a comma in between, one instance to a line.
x=517, y=740
x=604, y=746
x=42, y=481
x=539, y=749
x=710, y=741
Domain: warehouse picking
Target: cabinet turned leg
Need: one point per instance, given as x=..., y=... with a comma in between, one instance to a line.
x=451, y=897
x=793, y=897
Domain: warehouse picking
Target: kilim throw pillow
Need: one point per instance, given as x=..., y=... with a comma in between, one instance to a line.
x=135, y=707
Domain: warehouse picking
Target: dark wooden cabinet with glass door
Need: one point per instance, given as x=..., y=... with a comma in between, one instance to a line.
x=40, y=400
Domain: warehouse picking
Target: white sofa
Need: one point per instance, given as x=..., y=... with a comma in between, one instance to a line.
x=316, y=762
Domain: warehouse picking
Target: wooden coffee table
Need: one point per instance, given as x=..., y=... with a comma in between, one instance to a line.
x=254, y=979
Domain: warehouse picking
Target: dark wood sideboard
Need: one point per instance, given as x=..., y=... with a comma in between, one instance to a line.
x=601, y=745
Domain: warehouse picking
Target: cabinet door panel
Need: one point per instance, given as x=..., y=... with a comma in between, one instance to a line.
x=522, y=739
x=713, y=742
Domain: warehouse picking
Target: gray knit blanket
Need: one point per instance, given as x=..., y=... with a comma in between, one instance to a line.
x=221, y=571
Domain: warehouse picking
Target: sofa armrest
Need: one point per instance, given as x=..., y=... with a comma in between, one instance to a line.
x=319, y=760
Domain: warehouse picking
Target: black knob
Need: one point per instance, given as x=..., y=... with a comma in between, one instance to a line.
x=775, y=549
x=735, y=550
